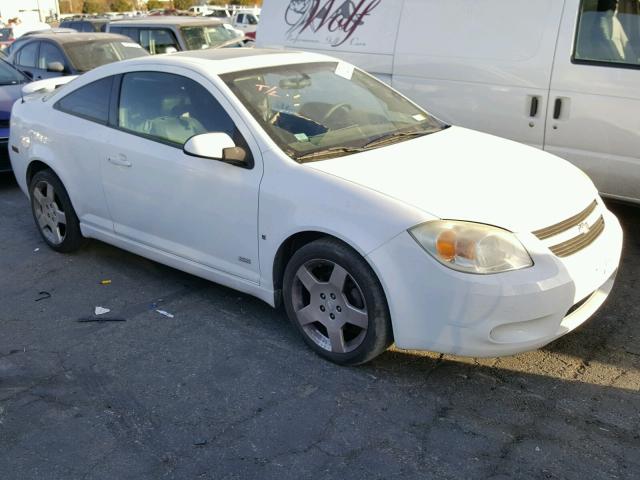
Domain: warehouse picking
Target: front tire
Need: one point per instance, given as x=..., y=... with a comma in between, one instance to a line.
x=53, y=213
x=334, y=299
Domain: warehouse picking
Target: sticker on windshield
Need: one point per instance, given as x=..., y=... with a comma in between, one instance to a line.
x=130, y=45
x=344, y=70
x=301, y=137
x=419, y=117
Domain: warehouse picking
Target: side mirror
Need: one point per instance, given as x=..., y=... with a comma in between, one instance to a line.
x=57, y=67
x=217, y=146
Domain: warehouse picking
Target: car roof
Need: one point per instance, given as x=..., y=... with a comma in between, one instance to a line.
x=218, y=61
x=167, y=20
x=78, y=37
x=90, y=20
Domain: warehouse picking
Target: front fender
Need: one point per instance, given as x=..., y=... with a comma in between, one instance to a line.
x=295, y=198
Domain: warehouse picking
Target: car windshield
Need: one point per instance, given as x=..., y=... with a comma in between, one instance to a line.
x=88, y=55
x=9, y=75
x=207, y=36
x=319, y=110
x=6, y=34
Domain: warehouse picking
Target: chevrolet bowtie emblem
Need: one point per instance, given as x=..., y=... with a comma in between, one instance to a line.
x=583, y=228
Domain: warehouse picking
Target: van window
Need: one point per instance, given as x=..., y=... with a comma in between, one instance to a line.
x=609, y=33
x=130, y=32
x=157, y=41
x=49, y=53
x=28, y=55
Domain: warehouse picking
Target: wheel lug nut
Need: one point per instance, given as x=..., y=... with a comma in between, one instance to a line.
x=322, y=309
x=323, y=296
x=332, y=316
x=339, y=309
x=333, y=296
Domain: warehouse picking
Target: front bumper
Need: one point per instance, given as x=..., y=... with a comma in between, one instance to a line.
x=438, y=309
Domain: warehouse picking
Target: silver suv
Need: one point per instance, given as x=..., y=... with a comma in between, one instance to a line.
x=166, y=34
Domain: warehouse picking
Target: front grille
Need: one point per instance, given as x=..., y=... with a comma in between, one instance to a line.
x=583, y=240
x=567, y=224
x=587, y=233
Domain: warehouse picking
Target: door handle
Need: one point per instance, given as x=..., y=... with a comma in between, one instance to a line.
x=535, y=103
x=120, y=160
x=557, y=109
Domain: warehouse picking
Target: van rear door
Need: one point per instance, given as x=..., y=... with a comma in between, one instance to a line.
x=361, y=32
x=594, y=119
x=482, y=65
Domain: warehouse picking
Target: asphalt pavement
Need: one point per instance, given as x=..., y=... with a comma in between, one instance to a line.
x=226, y=390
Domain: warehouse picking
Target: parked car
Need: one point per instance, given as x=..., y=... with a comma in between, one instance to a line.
x=558, y=75
x=168, y=34
x=298, y=178
x=16, y=44
x=9, y=34
x=47, y=55
x=90, y=25
x=219, y=12
x=247, y=21
x=11, y=82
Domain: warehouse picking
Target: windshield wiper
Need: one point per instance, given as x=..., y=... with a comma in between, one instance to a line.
x=392, y=137
x=329, y=152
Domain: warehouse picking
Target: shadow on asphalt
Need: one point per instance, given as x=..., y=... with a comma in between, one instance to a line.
x=7, y=180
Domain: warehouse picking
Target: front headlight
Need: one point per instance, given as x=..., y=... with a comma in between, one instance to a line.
x=472, y=247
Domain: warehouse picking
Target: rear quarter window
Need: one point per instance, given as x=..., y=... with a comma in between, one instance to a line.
x=90, y=102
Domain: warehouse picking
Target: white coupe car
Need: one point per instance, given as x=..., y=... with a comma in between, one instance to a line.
x=298, y=178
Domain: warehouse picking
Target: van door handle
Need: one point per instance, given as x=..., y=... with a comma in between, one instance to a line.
x=535, y=102
x=557, y=109
x=120, y=160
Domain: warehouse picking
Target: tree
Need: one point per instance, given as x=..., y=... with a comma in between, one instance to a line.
x=93, y=6
x=183, y=4
x=121, y=6
x=154, y=5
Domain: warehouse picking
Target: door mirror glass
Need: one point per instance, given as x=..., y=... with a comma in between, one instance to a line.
x=235, y=156
x=217, y=146
x=55, y=67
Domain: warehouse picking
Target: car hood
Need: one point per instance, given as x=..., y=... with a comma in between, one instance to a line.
x=461, y=174
x=8, y=95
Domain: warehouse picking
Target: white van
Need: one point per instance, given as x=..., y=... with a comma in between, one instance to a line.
x=563, y=75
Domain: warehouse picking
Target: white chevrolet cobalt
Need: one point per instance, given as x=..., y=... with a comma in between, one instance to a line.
x=300, y=179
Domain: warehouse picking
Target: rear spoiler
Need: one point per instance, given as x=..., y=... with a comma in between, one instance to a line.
x=46, y=85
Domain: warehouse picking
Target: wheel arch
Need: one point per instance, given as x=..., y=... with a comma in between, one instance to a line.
x=292, y=244
x=36, y=166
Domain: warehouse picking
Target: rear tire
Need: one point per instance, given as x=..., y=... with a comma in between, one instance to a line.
x=53, y=213
x=334, y=299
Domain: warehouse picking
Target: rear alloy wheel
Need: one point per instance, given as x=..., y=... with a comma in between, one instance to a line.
x=335, y=300
x=52, y=211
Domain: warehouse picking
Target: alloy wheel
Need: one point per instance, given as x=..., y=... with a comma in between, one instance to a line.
x=330, y=306
x=51, y=218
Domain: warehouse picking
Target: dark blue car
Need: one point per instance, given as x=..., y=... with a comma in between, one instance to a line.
x=11, y=82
